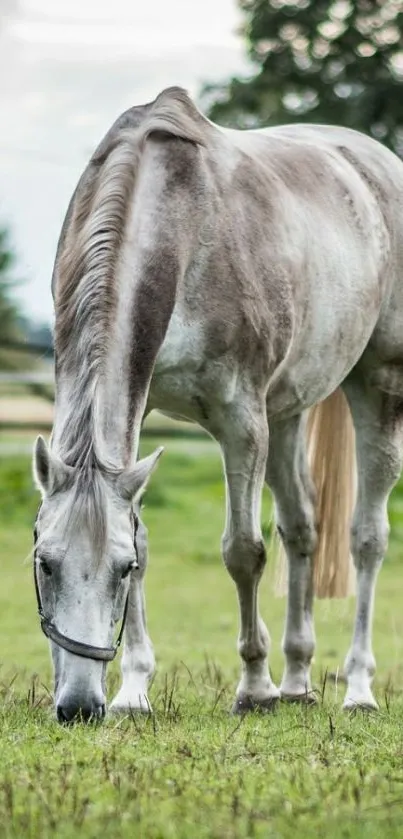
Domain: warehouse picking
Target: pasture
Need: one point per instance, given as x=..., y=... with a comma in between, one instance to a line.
x=192, y=770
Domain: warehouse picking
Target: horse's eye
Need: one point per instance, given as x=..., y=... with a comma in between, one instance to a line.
x=127, y=570
x=45, y=567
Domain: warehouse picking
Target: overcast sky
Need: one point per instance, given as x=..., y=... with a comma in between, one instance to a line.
x=67, y=69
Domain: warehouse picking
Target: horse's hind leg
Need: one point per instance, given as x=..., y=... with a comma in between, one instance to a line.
x=243, y=438
x=378, y=421
x=289, y=479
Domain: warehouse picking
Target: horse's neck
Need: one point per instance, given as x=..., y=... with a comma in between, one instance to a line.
x=99, y=412
x=112, y=325
x=103, y=409
x=119, y=408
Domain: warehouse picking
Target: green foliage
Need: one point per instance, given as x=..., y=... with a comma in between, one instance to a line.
x=9, y=328
x=192, y=771
x=15, y=327
x=339, y=62
x=37, y=334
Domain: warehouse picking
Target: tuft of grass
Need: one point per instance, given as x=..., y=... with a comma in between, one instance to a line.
x=190, y=769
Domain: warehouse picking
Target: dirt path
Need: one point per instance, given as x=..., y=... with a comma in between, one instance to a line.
x=25, y=409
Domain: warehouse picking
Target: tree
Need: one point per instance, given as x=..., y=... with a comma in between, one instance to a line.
x=317, y=61
x=9, y=318
x=17, y=331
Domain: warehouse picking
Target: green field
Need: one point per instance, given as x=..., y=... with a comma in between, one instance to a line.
x=192, y=770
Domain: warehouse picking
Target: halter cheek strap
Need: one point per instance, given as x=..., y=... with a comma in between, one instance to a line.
x=78, y=647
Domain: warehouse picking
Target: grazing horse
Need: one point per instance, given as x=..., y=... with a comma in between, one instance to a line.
x=251, y=282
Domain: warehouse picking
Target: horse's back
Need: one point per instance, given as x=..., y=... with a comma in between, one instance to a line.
x=382, y=173
x=322, y=239
x=296, y=265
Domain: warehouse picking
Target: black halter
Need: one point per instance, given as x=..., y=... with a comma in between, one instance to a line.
x=78, y=647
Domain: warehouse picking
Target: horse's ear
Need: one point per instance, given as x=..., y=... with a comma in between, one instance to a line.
x=132, y=481
x=50, y=474
x=41, y=465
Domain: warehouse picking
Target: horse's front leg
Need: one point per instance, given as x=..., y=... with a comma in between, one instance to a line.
x=289, y=479
x=244, y=444
x=138, y=657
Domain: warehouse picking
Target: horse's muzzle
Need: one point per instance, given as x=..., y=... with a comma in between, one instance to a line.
x=71, y=712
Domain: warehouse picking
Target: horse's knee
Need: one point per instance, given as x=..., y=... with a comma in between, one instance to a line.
x=369, y=541
x=244, y=557
x=299, y=536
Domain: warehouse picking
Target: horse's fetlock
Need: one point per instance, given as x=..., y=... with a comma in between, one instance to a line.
x=243, y=556
x=253, y=651
x=299, y=648
x=360, y=660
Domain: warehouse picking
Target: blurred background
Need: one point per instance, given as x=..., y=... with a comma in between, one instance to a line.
x=68, y=68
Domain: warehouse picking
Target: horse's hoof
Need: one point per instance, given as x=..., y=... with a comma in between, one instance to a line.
x=122, y=706
x=308, y=698
x=367, y=706
x=247, y=704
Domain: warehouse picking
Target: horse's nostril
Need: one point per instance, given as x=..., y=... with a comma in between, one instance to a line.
x=77, y=713
x=61, y=716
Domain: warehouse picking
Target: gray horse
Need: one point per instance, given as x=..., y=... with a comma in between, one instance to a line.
x=237, y=279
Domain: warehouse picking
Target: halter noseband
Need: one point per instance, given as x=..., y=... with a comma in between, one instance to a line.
x=78, y=647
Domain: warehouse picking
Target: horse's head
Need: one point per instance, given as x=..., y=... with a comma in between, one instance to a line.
x=87, y=547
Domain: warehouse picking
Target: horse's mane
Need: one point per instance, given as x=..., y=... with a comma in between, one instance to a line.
x=84, y=281
x=85, y=288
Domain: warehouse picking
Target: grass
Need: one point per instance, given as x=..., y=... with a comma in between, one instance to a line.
x=192, y=770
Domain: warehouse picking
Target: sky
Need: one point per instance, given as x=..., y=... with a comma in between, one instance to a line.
x=67, y=69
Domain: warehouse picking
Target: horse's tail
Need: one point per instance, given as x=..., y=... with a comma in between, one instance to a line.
x=331, y=452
